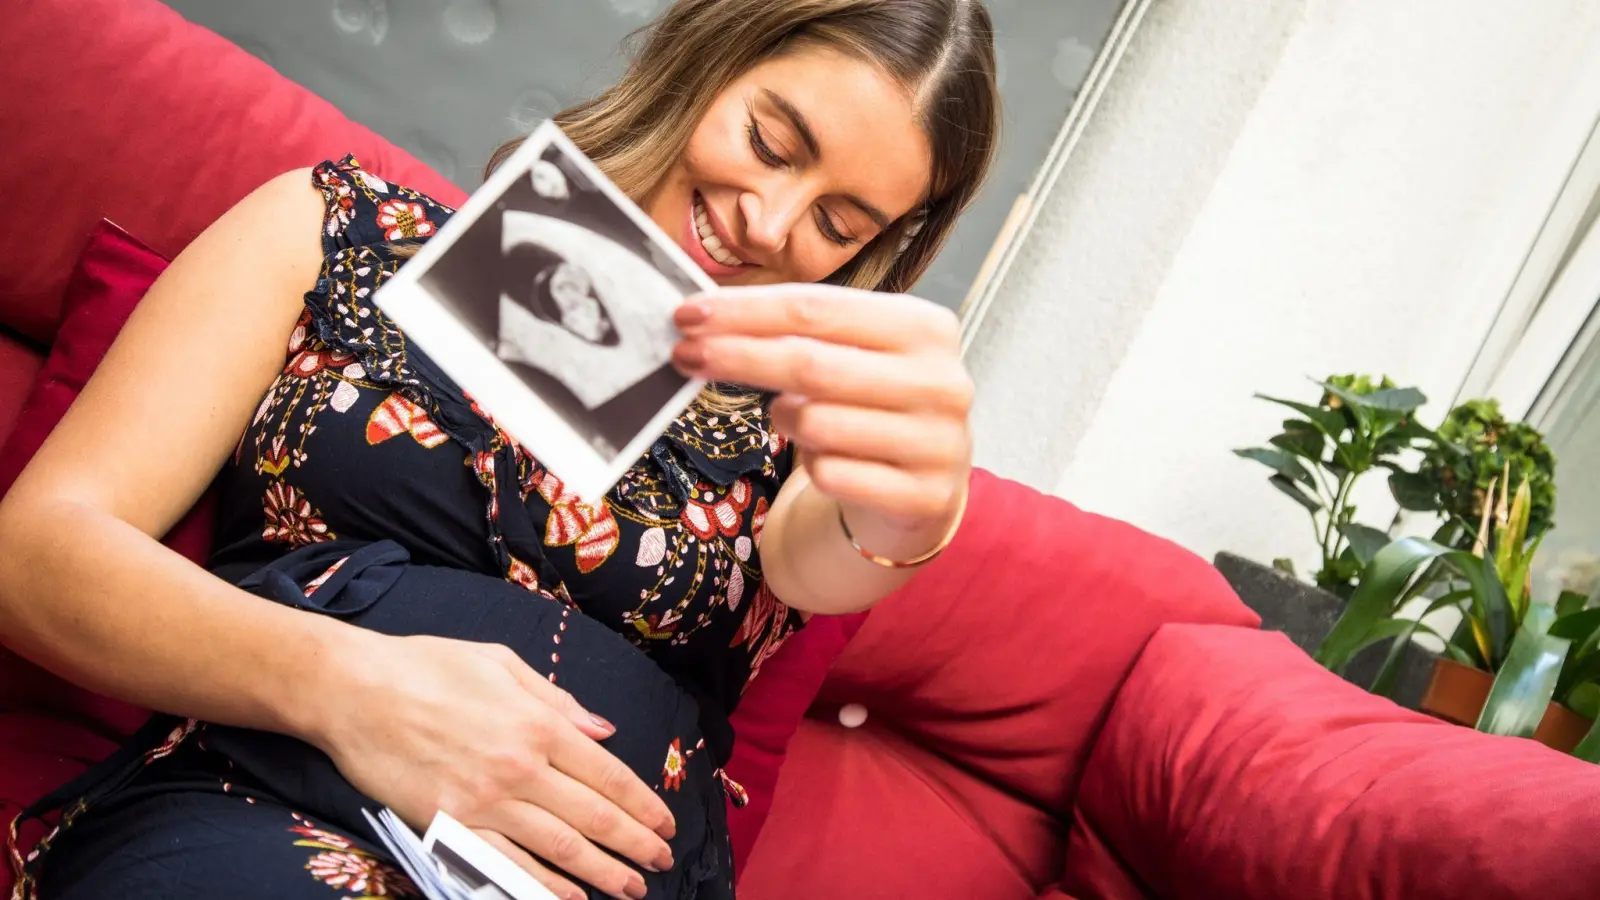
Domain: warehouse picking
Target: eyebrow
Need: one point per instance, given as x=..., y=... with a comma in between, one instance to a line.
x=809, y=138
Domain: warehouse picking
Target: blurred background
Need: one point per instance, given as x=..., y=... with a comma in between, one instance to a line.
x=449, y=80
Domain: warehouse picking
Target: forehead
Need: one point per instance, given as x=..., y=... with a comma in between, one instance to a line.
x=866, y=128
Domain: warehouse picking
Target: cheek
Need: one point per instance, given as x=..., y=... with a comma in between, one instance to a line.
x=712, y=157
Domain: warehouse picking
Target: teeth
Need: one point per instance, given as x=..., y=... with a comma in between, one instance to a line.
x=708, y=237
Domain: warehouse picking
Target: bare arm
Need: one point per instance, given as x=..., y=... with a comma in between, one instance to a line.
x=417, y=723
x=84, y=590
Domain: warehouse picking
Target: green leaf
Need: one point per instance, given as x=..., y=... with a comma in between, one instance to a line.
x=1403, y=400
x=1280, y=461
x=1584, y=700
x=1413, y=492
x=1576, y=627
x=1570, y=602
x=1583, y=668
x=1490, y=606
x=1328, y=421
x=1527, y=680
x=1382, y=586
x=1285, y=565
x=1588, y=749
x=1302, y=439
x=1299, y=496
x=1383, y=683
x=1365, y=541
x=1351, y=458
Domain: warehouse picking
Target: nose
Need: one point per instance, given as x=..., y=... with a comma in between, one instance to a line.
x=768, y=220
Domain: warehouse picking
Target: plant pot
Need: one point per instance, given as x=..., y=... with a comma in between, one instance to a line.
x=1306, y=614
x=1457, y=693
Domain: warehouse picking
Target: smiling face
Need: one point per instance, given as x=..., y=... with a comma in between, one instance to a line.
x=795, y=168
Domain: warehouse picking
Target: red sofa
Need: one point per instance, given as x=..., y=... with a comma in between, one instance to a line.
x=1062, y=706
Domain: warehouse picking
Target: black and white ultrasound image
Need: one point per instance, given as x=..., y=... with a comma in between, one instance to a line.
x=566, y=290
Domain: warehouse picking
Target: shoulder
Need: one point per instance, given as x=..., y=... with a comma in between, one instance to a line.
x=361, y=208
x=727, y=433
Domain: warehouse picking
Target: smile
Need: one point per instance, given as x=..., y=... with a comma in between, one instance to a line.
x=706, y=231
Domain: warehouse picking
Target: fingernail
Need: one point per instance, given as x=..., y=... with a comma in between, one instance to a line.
x=668, y=830
x=574, y=894
x=661, y=863
x=689, y=356
x=602, y=723
x=636, y=888
x=690, y=314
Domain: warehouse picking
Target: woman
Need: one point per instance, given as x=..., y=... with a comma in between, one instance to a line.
x=451, y=630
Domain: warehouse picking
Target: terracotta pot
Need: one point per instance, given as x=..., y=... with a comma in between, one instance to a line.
x=1457, y=693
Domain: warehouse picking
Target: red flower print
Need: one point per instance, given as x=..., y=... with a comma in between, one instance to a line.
x=291, y=519
x=706, y=515
x=320, y=580
x=402, y=219
x=307, y=363
x=316, y=837
x=396, y=416
x=174, y=738
x=758, y=521
x=359, y=874
x=523, y=574
x=672, y=772
x=591, y=527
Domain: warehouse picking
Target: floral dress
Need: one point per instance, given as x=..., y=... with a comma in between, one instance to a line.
x=368, y=487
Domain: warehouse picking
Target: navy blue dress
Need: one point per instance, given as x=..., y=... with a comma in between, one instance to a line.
x=370, y=488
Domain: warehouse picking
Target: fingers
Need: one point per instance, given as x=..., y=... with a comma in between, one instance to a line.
x=600, y=820
x=905, y=439
x=898, y=494
x=583, y=759
x=591, y=764
x=823, y=312
x=591, y=725
x=832, y=372
x=552, y=882
x=554, y=841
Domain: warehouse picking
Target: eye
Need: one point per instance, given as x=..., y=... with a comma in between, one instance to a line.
x=763, y=150
x=830, y=230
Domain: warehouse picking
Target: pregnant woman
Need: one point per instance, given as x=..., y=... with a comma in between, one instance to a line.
x=404, y=608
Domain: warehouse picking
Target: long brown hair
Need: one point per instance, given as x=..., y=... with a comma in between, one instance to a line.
x=942, y=51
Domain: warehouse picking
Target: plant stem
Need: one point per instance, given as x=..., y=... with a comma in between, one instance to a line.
x=1331, y=535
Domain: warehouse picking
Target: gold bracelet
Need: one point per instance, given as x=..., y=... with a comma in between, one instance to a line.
x=915, y=561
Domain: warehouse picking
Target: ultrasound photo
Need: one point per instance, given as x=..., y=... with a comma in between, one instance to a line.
x=548, y=297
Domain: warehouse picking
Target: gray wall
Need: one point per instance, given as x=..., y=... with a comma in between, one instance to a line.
x=450, y=79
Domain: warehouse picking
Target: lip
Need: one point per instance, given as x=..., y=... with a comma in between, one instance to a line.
x=697, y=252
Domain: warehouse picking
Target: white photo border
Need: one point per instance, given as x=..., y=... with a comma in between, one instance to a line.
x=516, y=408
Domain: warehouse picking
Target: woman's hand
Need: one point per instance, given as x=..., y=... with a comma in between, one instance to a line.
x=470, y=729
x=871, y=388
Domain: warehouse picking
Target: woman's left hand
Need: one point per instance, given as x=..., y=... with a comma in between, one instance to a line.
x=871, y=388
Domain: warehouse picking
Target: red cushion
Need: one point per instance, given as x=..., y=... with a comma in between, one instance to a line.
x=769, y=714
x=1234, y=766
x=864, y=813
x=120, y=109
x=112, y=275
x=19, y=362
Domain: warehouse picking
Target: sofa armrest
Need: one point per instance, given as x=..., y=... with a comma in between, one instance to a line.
x=1234, y=766
x=1005, y=654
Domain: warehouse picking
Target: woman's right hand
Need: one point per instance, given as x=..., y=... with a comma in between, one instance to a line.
x=425, y=723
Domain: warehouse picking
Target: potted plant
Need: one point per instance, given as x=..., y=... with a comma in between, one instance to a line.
x=1514, y=666
x=1475, y=448
x=1358, y=425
